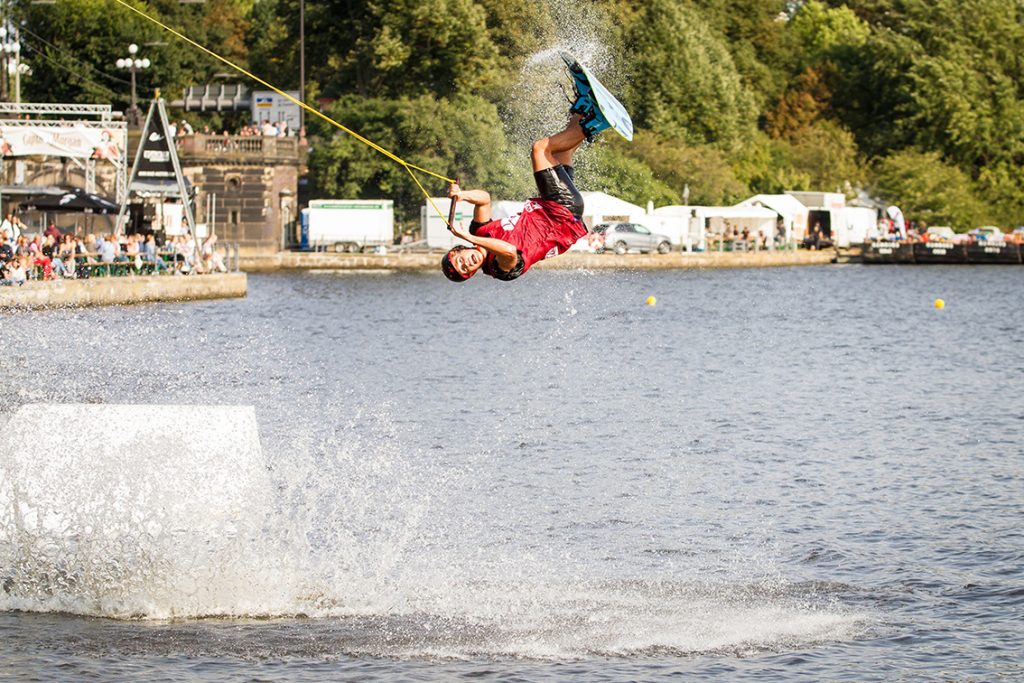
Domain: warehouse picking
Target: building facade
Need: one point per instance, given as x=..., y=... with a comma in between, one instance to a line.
x=247, y=186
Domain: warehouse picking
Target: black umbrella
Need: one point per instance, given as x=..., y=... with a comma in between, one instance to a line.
x=74, y=201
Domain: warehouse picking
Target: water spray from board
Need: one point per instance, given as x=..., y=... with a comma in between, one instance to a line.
x=339, y=506
x=537, y=103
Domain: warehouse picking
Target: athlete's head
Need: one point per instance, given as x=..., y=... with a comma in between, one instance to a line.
x=461, y=263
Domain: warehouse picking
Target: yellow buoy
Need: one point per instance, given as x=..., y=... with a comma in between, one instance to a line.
x=651, y=301
x=940, y=304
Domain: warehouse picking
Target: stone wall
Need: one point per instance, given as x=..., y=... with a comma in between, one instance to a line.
x=255, y=181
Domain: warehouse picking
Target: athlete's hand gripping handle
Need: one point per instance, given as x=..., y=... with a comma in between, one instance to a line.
x=453, y=194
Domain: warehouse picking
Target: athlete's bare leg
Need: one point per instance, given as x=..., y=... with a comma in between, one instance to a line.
x=558, y=148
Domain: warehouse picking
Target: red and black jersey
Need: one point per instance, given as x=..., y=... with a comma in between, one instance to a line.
x=541, y=230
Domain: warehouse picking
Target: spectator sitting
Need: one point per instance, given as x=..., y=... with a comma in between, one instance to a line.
x=39, y=257
x=16, y=273
x=51, y=252
x=211, y=257
x=149, y=254
x=21, y=247
x=107, y=250
x=64, y=259
x=813, y=239
x=189, y=250
x=131, y=252
x=6, y=251
x=118, y=249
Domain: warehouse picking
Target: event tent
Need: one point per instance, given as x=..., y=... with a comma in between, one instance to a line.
x=600, y=207
x=787, y=207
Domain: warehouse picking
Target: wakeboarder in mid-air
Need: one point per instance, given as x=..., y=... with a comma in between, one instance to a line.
x=552, y=222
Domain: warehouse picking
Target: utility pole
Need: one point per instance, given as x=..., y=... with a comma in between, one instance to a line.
x=302, y=64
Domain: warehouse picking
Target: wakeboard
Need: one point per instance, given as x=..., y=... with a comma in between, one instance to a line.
x=599, y=108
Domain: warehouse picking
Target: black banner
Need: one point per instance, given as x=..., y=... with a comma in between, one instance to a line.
x=156, y=160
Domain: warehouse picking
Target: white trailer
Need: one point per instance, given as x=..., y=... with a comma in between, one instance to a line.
x=819, y=200
x=348, y=224
x=434, y=226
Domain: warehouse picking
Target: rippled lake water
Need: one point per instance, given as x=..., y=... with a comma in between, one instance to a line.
x=770, y=475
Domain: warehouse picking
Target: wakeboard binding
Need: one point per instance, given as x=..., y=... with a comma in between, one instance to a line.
x=584, y=104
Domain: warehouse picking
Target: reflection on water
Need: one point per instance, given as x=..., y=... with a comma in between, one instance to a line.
x=771, y=474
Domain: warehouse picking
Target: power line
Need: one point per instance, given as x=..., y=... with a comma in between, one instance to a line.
x=105, y=90
x=73, y=58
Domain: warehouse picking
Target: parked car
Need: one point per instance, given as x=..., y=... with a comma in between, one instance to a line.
x=623, y=237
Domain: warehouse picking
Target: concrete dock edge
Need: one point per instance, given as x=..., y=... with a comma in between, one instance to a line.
x=128, y=289
x=570, y=261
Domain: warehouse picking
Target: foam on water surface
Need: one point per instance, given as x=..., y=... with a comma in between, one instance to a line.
x=158, y=512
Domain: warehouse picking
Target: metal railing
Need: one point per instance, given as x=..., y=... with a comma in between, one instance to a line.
x=232, y=257
x=199, y=144
x=163, y=263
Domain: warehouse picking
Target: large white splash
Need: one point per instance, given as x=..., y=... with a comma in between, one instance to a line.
x=133, y=510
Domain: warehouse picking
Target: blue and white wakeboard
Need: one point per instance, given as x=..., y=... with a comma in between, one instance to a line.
x=599, y=108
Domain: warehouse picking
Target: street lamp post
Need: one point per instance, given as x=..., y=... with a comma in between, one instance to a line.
x=10, y=46
x=134, y=65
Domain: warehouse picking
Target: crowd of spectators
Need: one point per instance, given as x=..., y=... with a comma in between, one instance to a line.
x=278, y=129
x=735, y=238
x=55, y=255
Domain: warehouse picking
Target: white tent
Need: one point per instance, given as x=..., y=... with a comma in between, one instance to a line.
x=858, y=223
x=787, y=207
x=599, y=207
x=716, y=220
x=677, y=222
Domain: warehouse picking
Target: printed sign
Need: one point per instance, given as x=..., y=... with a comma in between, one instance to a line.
x=59, y=141
x=268, y=105
x=156, y=153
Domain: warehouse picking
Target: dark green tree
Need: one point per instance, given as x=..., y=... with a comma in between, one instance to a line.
x=928, y=189
x=458, y=137
x=684, y=82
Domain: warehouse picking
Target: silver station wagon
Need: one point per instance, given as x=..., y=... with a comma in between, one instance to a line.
x=623, y=237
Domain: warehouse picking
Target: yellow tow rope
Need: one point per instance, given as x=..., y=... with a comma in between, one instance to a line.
x=370, y=143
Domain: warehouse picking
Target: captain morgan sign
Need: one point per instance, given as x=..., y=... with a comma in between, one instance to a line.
x=59, y=141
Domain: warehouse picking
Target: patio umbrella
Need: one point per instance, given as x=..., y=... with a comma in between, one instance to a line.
x=73, y=201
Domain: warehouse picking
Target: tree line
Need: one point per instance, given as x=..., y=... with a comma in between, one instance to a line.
x=915, y=102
